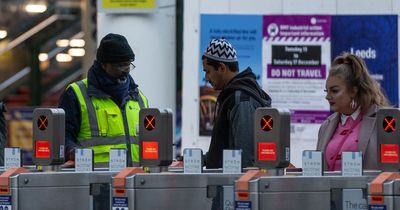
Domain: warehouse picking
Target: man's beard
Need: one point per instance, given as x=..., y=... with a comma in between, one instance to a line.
x=122, y=79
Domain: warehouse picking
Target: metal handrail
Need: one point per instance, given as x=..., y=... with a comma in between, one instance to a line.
x=25, y=71
x=66, y=81
x=33, y=31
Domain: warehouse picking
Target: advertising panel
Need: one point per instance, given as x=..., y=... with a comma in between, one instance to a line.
x=373, y=38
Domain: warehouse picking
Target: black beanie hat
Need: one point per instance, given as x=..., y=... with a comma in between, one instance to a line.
x=114, y=48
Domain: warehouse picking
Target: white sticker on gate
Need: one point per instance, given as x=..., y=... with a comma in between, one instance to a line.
x=118, y=159
x=351, y=163
x=312, y=163
x=12, y=157
x=83, y=160
x=192, y=160
x=232, y=161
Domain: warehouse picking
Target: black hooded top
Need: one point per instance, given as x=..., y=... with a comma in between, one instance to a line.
x=234, y=119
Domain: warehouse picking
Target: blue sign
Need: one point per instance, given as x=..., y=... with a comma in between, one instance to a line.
x=373, y=38
x=119, y=203
x=5, y=202
x=243, y=205
x=376, y=207
x=244, y=32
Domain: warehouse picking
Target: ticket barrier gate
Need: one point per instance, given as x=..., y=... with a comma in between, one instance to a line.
x=384, y=192
x=174, y=191
x=21, y=188
x=57, y=190
x=301, y=192
x=134, y=189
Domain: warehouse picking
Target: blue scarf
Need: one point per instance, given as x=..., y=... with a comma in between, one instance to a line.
x=102, y=81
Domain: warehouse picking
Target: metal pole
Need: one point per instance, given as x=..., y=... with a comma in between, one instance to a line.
x=35, y=79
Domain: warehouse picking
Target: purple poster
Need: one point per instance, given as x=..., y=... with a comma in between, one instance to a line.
x=296, y=53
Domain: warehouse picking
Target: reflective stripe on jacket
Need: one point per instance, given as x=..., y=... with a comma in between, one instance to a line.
x=102, y=124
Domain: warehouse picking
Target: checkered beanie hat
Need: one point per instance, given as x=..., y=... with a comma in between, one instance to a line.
x=221, y=50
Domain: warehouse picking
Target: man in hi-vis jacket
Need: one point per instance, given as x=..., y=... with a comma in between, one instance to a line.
x=102, y=111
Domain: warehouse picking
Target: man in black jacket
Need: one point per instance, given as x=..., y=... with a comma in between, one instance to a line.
x=240, y=96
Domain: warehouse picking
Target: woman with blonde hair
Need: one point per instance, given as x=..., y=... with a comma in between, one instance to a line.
x=355, y=97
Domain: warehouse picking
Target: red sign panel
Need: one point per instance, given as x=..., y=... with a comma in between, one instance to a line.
x=389, y=153
x=42, y=149
x=150, y=150
x=266, y=151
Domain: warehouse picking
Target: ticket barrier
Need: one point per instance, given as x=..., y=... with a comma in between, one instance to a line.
x=61, y=189
x=384, y=192
x=56, y=190
x=301, y=192
x=22, y=188
x=135, y=190
x=174, y=191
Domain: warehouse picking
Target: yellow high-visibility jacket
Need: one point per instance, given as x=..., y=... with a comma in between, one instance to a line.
x=104, y=125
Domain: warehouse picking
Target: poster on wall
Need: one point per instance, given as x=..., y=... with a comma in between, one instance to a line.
x=296, y=54
x=291, y=56
x=244, y=32
x=374, y=38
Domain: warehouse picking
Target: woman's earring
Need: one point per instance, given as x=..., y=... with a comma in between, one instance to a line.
x=353, y=104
